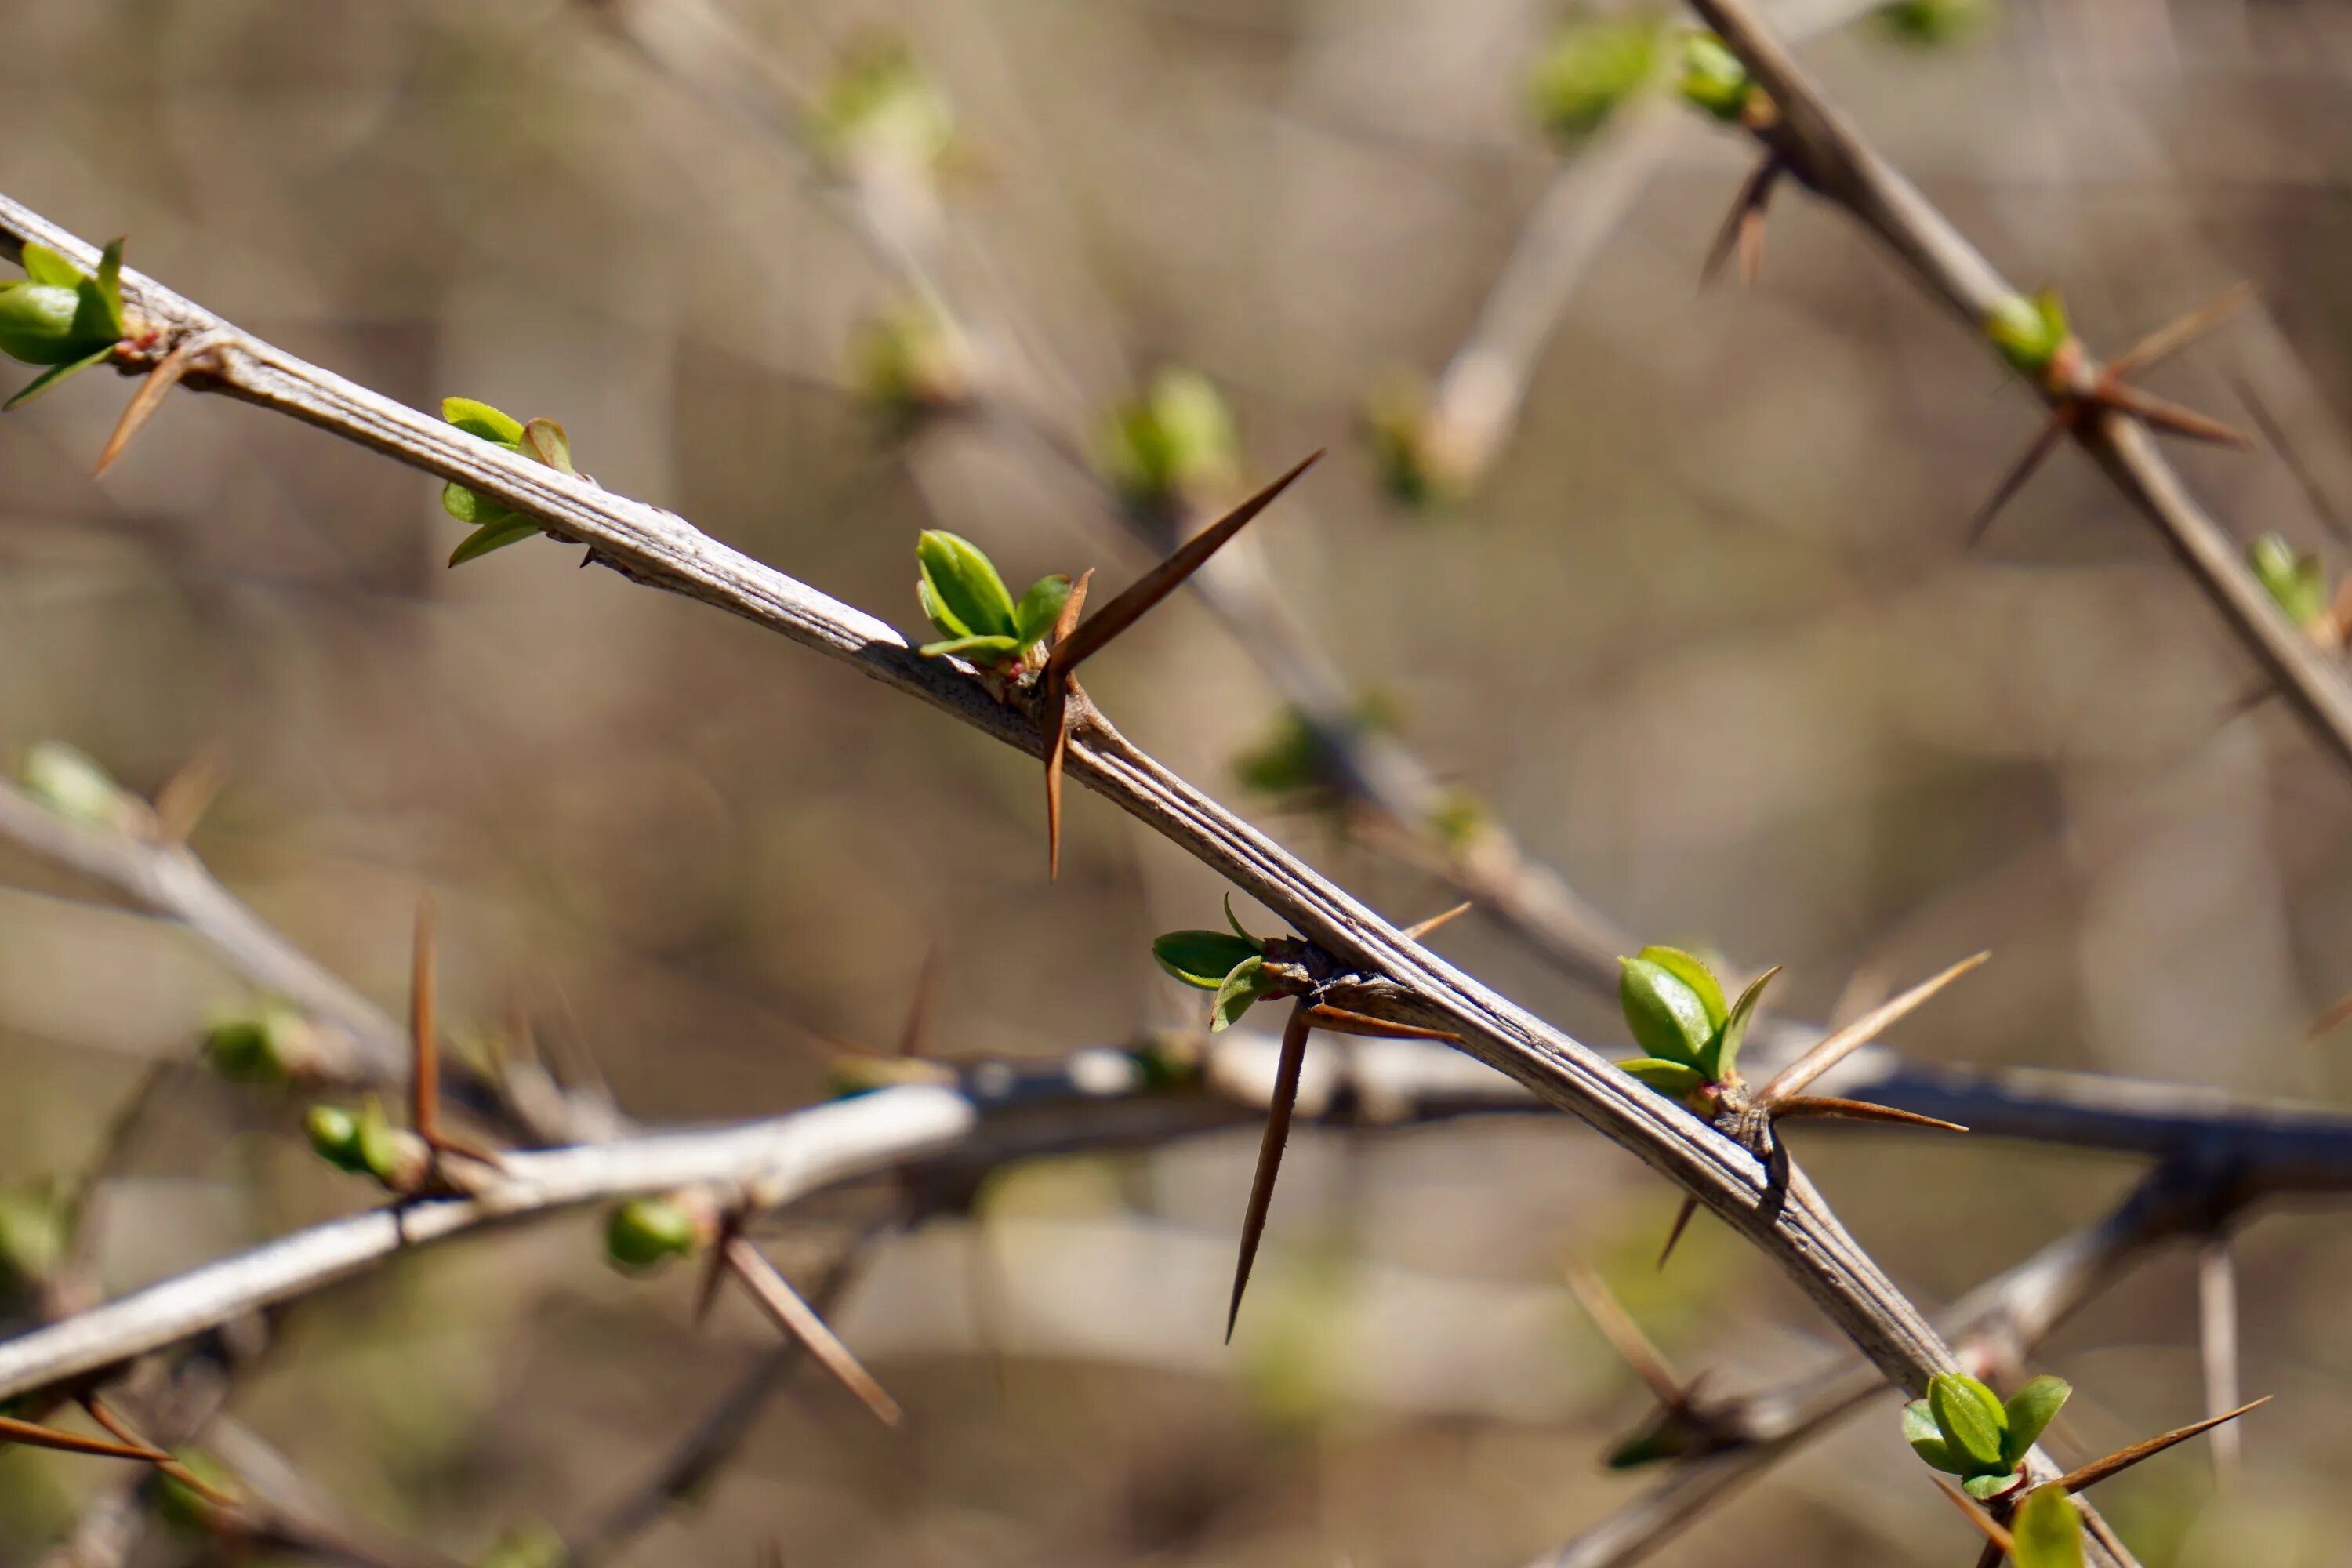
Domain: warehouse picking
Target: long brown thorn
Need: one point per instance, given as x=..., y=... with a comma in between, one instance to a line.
x=1278, y=1109
x=2123, y=1460
x=797, y=1318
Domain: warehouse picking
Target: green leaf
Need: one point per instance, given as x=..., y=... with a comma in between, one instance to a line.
x=37, y=323
x=1040, y=607
x=645, y=1233
x=1986, y=1488
x=1676, y=1081
x=979, y=650
x=492, y=536
x=470, y=506
x=942, y=620
x=543, y=441
x=480, y=419
x=335, y=1136
x=1240, y=930
x=43, y=264
x=964, y=582
x=1970, y=1416
x=2048, y=1532
x=1668, y=1018
x=1202, y=958
x=1247, y=984
x=1692, y=973
x=100, y=316
x=2029, y=1410
x=1927, y=1439
x=1720, y=1056
x=49, y=378
x=1592, y=66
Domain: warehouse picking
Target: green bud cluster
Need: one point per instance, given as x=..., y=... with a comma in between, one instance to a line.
x=1230, y=963
x=645, y=1234
x=1715, y=79
x=1593, y=64
x=906, y=365
x=1930, y=23
x=495, y=525
x=1460, y=819
x=2030, y=333
x=1965, y=1430
x=268, y=1041
x=1290, y=759
x=57, y=316
x=1174, y=442
x=881, y=109
x=365, y=1143
x=2298, y=583
x=1420, y=462
x=69, y=782
x=972, y=610
x=1675, y=1007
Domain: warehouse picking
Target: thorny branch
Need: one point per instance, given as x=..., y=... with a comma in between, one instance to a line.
x=1827, y=156
x=1369, y=967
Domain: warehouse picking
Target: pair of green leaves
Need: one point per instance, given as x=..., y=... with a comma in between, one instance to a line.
x=495, y=525
x=57, y=316
x=1593, y=65
x=2029, y=332
x=1231, y=964
x=1175, y=442
x=973, y=611
x=1963, y=1429
x=1675, y=1007
x=1716, y=79
x=365, y=1143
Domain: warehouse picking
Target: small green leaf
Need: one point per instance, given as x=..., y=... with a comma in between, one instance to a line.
x=2298, y=583
x=37, y=323
x=1676, y=1080
x=1713, y=78
x=2029, y=1410
x=1986, y=1488
x=1927, y=1439
x=110, y=285
x=2048, y=1532
x=1592, y=66
x=43, y=264
x=47, y=379
x=335, y=1136
x=2029, y=332
x=1668, y=1018
x=543, y=441
x=1970, y=1416
x=1242, y=989
x=1240, y=930
x=1719, y=1058
x=979, y=650
x=468, y=505
x=492, y=536
x=98, y=301
x=964, y=583
x=1688, y=969
x=69, y=782
x=1040, y=607
x=1202, y=958
x=381, y=1148
x=942, y=619
x=480, y=419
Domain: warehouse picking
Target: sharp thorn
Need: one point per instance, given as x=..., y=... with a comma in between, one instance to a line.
x=2044, y=442
x=1339, y=1021
x=1419, y=929
x=1091, y=637
x=1674, y=1232
x=188, y=793
x=1743, y=226
x=1995, y=1533
x=1792, y=1078
x=425, y=1060
x=1278, y=1109
x=1625, y=1336
x=800, y=1319
x=2123, y=1460
x=2160, y=414
x=715, y=1263
x=2182, y=330
x=1855, y=1111
x=1058, y=713
x=914, y=1035
x=150, y=396
x=33, y=1435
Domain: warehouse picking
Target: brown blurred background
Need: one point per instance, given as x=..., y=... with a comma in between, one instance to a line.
x=1708, y=641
